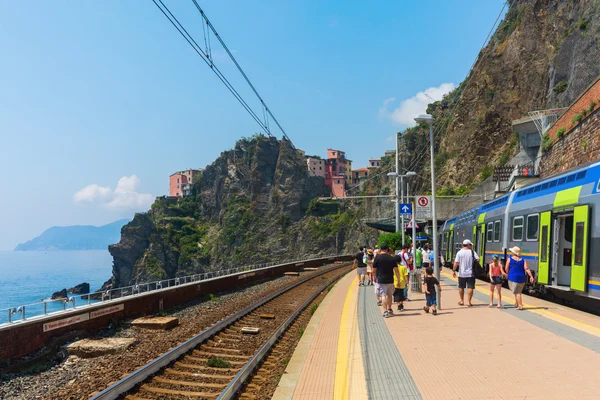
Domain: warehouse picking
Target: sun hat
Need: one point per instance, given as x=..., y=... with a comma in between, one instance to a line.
x=467, y=242
x=515, y=250
x=370, y=252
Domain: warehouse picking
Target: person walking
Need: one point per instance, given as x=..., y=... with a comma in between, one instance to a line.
x=407, y=261
x=496, y=274
x=466, y=277
x=425, y=256
x=361, y=267
x=399, y=285
x=419, y=258
x=517, y=269
x=369, y=261
x=429, y=284
x=384, y=268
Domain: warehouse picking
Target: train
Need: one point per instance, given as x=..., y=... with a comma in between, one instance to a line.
x=555, y=222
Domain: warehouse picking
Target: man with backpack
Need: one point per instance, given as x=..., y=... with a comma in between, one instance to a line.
x=361, y=267
x=465, y=263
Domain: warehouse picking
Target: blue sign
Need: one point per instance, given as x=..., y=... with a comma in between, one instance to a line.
x=405, y=209
x=421, y=238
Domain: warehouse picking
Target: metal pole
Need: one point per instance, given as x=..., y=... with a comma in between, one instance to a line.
x=402, y=202
x=414, y=226
x=436, y=248
x=397, y=188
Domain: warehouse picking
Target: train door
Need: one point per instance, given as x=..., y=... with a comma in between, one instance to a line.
x=544, y=247
x=450, y=252
x=579, y=259
x=562, y=245
x=481, y=236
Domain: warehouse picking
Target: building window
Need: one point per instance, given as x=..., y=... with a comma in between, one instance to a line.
x=533, y=227
x=177, y=186
x=490, y=231
x=517, y=229
x=320, y=168
x=338, y=181
x=497, y=230
x=177, y=180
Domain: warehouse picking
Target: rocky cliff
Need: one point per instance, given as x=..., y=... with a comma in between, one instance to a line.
x=542, y=55
x=252, y=205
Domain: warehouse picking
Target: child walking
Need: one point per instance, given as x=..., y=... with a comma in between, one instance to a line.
x=429, y=284
x=400, y=285
x=496, y=273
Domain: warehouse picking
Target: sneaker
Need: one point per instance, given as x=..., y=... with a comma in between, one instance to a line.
x=379, y=303
x=400, y=307
x=434, y=312
x=426, y=310
x=391, y=312
x=407, y=299
x=387, y=314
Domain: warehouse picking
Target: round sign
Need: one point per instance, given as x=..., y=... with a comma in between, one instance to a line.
x=423, y=201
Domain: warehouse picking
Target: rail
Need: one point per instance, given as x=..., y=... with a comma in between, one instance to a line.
x=58, y=306
x=130, y=381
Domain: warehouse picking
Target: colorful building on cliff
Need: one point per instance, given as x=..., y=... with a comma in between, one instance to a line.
x=335, y=172
x=316, y=166
x=180, y=183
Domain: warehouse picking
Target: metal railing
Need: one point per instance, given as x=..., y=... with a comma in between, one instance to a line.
x=54, y=307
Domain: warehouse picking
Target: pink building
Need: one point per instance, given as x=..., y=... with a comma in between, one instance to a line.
x=335, y=172
x=180, y=183
x=316, y=166
x=374, y=162
x=359, y=175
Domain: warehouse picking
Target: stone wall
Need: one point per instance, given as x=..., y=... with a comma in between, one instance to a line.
x=579, y=146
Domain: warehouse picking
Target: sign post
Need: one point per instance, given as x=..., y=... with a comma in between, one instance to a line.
x=405, y=209
x=423, y=207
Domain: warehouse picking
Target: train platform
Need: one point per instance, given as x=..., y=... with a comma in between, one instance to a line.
x=349, y=351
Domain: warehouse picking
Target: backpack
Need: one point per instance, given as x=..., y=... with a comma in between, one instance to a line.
x=477, y=268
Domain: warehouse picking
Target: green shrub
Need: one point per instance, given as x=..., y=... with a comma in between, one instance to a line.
x=561, y=132
x=546, y=143
x=313, y=308
x=218, y=362
x=560, y=87
x=577, y=118
x=486, y=172
x=583, y=24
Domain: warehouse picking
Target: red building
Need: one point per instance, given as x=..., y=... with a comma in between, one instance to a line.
x=180, y=183
x=335, y=172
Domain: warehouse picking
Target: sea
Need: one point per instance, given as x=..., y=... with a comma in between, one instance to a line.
x=27, y=277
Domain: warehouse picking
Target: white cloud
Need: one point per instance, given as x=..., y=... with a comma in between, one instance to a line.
x=125, y=197
x=407, y=109
x=91, y=193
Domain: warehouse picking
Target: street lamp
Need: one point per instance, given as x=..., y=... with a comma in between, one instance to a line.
x=400, y=197
x=428, y=119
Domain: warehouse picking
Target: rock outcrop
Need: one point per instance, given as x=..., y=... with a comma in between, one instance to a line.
x=543, y=55
x=82, y=288
x=61, y=294
x=249, y=206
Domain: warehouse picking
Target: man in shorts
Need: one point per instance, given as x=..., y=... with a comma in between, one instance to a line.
x=384, y=268
x=361, y=267
x=466, y=278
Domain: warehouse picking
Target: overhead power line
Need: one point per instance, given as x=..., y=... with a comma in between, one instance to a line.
x=206, y=56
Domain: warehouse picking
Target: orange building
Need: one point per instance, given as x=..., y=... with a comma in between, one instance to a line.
x=180, y=183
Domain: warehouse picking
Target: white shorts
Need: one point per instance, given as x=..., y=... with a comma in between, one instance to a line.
x=361, y=270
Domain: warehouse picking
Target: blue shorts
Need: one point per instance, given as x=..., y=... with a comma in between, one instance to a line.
x=431, y=301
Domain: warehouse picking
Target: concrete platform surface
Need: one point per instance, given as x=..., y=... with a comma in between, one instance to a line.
x=349, y=351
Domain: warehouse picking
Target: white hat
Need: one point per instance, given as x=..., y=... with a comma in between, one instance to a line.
x=466, y=242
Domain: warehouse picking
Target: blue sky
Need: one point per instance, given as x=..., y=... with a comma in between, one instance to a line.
x=107, y=93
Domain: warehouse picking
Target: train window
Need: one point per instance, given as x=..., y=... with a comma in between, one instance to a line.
x=544, y=255
x=490, y=230
x=533, y=227
x=517, y=229
x=569, y=229
x=579, y=243
x=497, y=229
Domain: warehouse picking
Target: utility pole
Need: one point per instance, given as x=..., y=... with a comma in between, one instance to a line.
x=398, y=191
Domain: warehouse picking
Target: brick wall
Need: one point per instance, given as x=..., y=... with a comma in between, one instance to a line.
x=579, y=146
x=583, y=102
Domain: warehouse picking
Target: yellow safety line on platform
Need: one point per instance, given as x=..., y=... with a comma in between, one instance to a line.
x=340, y=386
x=548, y=314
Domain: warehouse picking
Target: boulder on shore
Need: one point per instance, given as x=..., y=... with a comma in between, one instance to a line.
x=82, y=288
x=61, y=294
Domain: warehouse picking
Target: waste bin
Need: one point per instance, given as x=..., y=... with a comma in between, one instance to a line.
x=416, y=281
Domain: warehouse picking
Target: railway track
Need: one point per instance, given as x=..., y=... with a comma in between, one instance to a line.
x=217, y=363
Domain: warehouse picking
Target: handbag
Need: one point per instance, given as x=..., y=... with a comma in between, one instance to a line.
x=477, y=268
